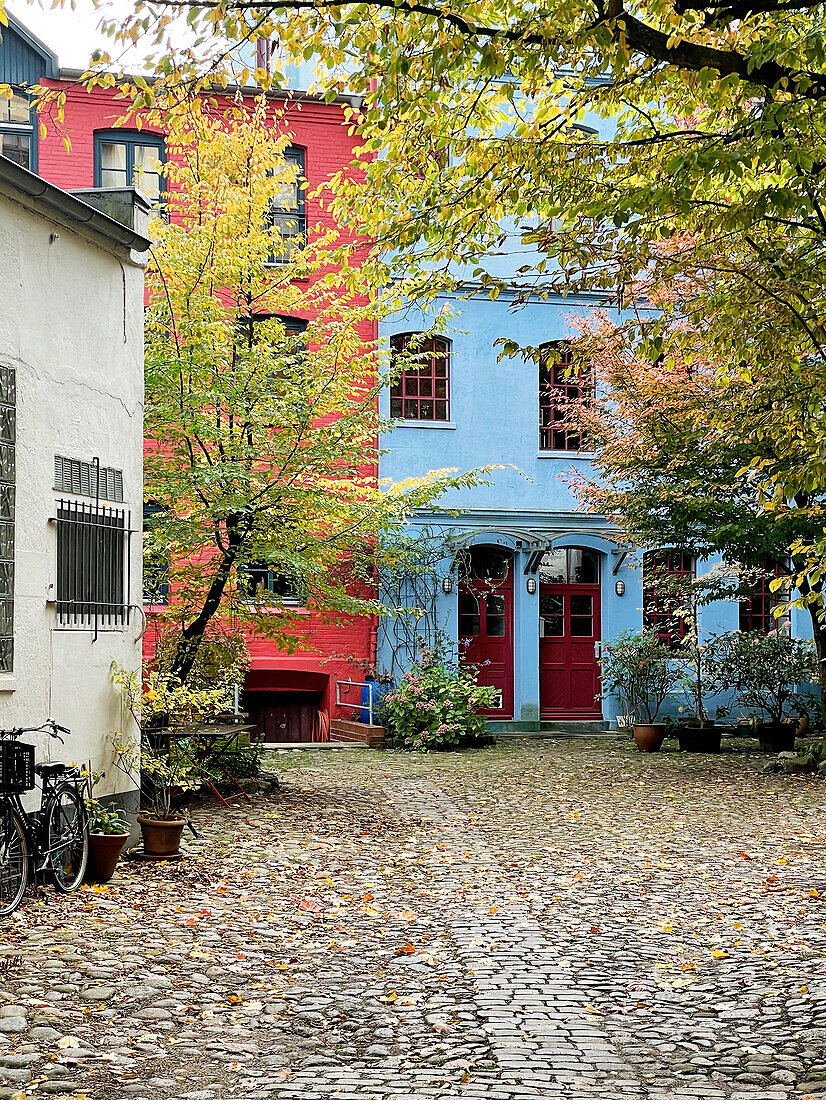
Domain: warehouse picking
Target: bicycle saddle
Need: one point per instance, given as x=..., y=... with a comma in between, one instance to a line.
x=44, y=770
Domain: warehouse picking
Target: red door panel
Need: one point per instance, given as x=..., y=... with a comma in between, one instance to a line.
x=486, y=636
x=569, y=625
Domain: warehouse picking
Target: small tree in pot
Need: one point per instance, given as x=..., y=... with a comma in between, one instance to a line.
x=638, y=669
x=766, y=672
x=164, y=769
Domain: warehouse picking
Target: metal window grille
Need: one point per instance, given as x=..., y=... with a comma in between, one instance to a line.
x=92, y=566
x=561, y=384
x=757, y=608
x=422, y=389
x=287, y=211
x=657, y=605
x=81, y=478
x=8, y=414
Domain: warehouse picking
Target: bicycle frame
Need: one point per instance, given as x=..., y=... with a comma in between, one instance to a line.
x=33, y=820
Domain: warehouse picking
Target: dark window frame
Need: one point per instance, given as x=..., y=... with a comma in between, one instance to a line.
x=130, y=139
x=286, y=218
x=757, y=616
x=559, y=386
x=409, y=399
x=22, y=129
x=268, y=581
x=670, y=628
x=155, y=566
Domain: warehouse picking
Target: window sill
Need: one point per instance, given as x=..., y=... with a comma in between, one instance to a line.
x=286, y=609
x=445, y=425
x=8, y=682
x=583, y=456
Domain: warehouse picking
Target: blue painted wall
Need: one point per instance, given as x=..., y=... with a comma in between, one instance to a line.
x=494, y=419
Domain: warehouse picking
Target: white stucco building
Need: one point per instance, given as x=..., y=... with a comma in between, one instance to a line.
x=71, y=433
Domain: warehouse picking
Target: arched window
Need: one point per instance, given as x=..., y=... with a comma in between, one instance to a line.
x=563, y=380
x=421, y=390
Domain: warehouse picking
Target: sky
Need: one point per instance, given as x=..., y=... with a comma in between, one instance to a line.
x=73, y=34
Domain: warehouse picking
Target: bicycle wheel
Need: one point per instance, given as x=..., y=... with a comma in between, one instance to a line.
x=14, y=861
x=67, y=839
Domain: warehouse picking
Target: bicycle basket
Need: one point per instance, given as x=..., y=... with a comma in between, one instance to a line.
x=16, y=767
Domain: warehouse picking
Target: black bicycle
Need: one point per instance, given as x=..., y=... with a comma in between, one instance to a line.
x=53, y=839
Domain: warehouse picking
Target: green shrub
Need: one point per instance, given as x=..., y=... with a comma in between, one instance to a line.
x=435, y=706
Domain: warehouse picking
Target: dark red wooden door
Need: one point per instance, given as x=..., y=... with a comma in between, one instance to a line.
x=569, y=627
x=486, y=636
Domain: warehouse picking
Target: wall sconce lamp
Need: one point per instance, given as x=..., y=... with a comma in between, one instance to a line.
x=619, y=588
x=531, y=585
x=447, y=584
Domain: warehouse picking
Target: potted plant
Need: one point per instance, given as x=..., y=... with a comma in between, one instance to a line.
x=766, y=672
x=638, y=670
x=162, y=763
x=700, y=676
x=108, y=832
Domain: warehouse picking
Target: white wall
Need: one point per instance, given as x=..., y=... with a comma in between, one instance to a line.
x=71, y=323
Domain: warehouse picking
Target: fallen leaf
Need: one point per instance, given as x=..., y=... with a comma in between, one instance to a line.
x=68, y=1041
x=406, y=949
x=309, y=905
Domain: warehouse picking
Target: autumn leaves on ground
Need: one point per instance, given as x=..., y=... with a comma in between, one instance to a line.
x=530, y=920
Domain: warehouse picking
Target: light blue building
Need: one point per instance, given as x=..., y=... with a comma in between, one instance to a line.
x=528, y=584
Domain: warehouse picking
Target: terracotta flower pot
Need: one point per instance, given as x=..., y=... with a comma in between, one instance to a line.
x=104, y=853
x=161, y=838
x=699, y=738
x=649, y=737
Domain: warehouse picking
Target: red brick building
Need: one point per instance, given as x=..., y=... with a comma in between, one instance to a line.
x=283, y=692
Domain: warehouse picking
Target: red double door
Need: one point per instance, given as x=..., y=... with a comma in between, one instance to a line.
x=486, y=625
x=569, y=629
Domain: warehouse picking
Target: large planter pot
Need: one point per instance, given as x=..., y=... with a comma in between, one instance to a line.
x=776, y=738
x=649, y=737
x=699, y=738
x=104, y=853
x=161, y=839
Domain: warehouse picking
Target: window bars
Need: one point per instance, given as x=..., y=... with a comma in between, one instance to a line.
x=93, y=567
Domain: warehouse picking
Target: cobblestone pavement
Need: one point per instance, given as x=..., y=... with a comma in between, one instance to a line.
x=542, y=919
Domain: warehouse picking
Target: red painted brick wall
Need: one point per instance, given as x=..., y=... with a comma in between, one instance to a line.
x=320, y=129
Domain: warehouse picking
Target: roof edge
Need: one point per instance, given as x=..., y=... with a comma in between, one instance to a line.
x=69, y=207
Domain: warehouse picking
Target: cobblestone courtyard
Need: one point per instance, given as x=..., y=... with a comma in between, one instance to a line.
x=543, y=919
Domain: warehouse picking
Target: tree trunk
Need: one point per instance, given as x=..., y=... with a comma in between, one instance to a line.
x=192, y=635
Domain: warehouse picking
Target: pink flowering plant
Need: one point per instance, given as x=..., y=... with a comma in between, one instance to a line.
x=436, y=706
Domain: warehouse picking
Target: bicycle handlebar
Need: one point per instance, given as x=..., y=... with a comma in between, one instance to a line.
x=49, y=726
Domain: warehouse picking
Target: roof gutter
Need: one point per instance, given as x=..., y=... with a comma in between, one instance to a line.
x=68, y=207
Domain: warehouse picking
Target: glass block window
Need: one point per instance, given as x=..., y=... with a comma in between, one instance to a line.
x=72, y=475
x=287, y=212
x=666, y=568
x=17, y=129
x=757, y=608
x=130, y=160
x=7, y=494
x=421, y=390
x=562, y=382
